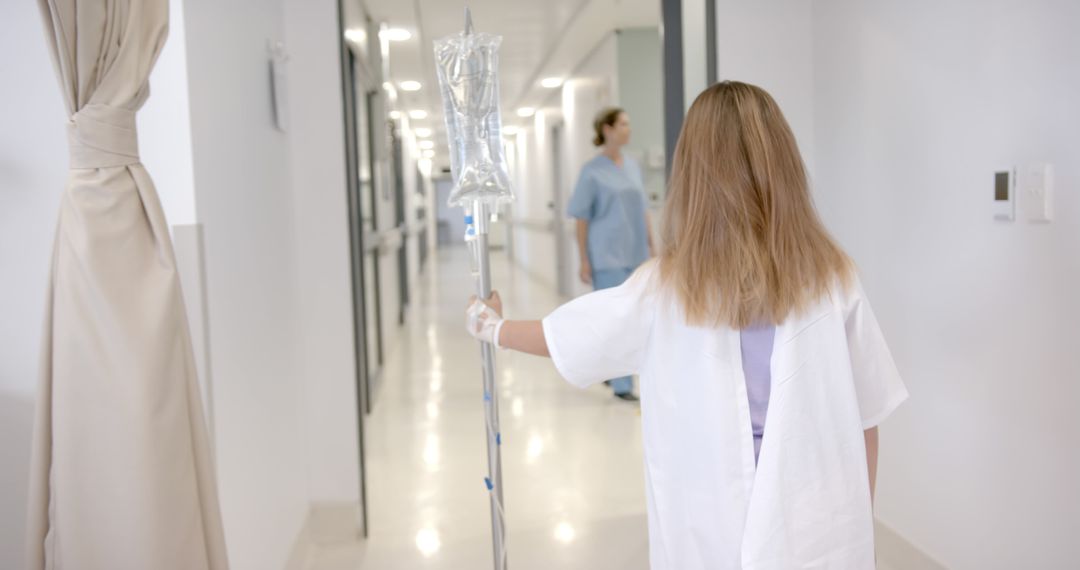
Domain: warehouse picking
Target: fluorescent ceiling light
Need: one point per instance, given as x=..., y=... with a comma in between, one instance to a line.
x=526, y=112
x=418, y=114
x=551, y=82
x=510, y=130
x=427, y=145
x=395, y=34
x=410, y=85
x=395, y=114
x=428, y=153
x=422, y=132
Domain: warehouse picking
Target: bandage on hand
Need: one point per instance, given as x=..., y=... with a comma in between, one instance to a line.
x=483, y=322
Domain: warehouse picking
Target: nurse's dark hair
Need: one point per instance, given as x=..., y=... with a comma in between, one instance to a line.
x=743, y=243
x=609, y=117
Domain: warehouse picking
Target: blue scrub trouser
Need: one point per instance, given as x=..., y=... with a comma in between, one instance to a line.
x=606, y=279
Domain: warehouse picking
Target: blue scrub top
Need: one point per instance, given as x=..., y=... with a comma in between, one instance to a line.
x=612, y=199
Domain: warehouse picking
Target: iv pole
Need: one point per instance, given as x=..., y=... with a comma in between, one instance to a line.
x=480, y=220
x=491, y=396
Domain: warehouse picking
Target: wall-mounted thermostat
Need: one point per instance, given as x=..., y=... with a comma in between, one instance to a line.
x=1005, y=195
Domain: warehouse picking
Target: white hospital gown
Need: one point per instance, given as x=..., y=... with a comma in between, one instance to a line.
x=807, y=503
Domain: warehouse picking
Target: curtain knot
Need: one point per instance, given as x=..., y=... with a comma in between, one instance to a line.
x=100, y=136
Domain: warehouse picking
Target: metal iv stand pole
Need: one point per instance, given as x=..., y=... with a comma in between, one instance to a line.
x=481, y=219
x=491, y=395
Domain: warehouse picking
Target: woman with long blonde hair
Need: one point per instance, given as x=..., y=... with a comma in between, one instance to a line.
x=751, y=312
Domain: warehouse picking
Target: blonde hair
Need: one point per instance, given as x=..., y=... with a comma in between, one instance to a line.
x=609, y=117
x=743, y=243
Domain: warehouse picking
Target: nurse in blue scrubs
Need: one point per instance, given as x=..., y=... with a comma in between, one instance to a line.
x=613, y=230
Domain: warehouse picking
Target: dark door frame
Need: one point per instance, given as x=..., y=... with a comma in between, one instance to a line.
x=671, y=29
x=674, y=77
x=397, y=163
x=348, y=63
x=375, y=137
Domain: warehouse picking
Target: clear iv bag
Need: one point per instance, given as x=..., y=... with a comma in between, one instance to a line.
x=467, y=65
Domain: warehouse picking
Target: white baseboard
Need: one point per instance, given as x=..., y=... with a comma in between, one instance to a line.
x=335, y=522
x=896, y=552
x=327, y=523
x=302, y=553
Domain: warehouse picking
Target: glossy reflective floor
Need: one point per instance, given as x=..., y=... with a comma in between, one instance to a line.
x=572, y=466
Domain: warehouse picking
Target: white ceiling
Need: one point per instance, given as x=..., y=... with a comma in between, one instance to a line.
x=541, y=38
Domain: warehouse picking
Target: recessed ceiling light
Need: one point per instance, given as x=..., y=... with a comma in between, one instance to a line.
x=395, y=34
x=418, y=114
x=510, y=130
x=428, y=153
x=526, y=112
x=551, y=82
x=422, y=132
x=410, y=85
x=427, y=145
x=395, y=114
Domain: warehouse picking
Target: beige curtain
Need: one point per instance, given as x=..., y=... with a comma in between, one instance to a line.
x=122, y=476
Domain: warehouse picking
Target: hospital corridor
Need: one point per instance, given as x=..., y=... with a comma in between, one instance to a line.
x=539, y=285
x=422, y=443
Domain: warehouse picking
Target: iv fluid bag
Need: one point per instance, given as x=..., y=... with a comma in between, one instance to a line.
x=467, y=64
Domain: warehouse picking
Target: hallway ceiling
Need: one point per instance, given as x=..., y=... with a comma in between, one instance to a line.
x=541, y=38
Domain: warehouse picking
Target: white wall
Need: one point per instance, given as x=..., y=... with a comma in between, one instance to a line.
x=641, y=94
x=386, y=221
x=914, y=106
x=695, y=65
x=245, y=201
x=595, y=86
x=165, y=126
x=414, y=202
x=534, y=247
x=771, y=44
x=33, y=168
x=591, y=86
x=321, y=250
